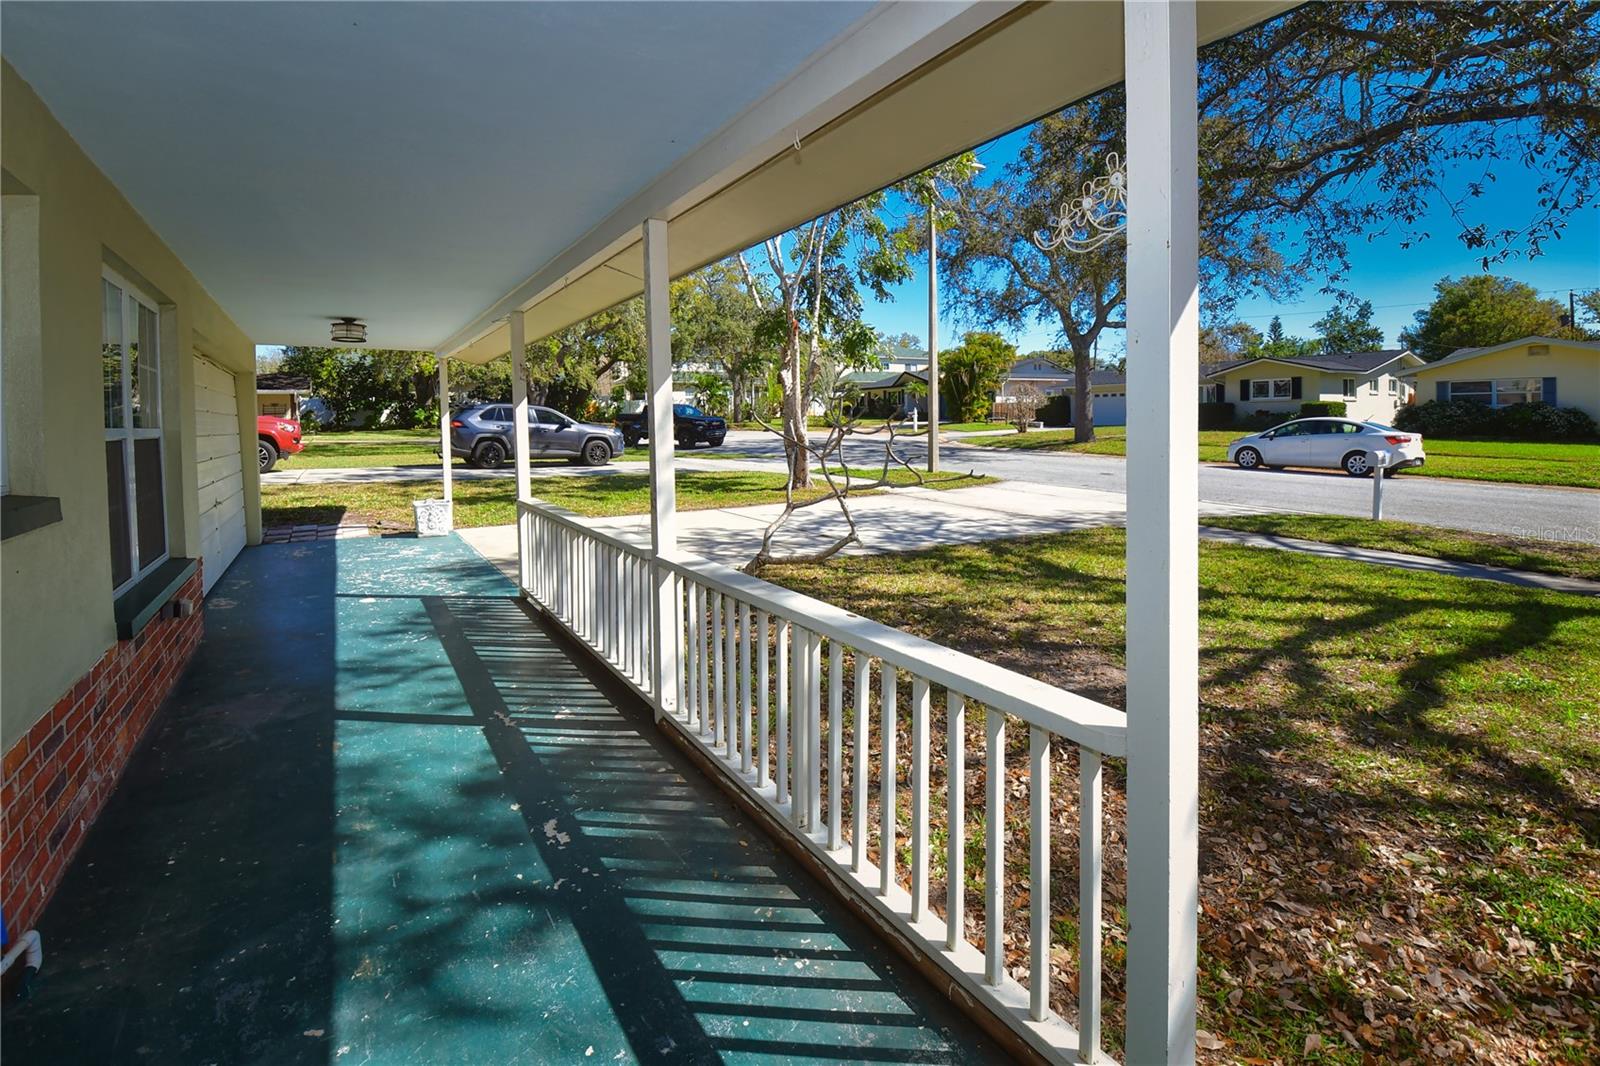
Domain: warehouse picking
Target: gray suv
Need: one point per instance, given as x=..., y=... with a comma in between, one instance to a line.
x=482, y=435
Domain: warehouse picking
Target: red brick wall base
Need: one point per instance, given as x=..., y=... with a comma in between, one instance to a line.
x=58, y=777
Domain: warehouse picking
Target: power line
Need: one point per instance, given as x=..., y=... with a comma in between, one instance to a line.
x=1409, y=303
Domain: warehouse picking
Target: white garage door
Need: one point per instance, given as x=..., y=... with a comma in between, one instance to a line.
x=1111, y=410
x=217, y=470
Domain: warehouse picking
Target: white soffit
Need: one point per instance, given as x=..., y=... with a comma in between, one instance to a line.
x=918, y=92
x=405, y=163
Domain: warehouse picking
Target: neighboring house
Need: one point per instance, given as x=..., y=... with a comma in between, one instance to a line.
x=1371, y=385
x=279, y=395
x=1533, y=369
x=1043, y=374
x=890, y=393
x=1109, y=389
x=110, y=537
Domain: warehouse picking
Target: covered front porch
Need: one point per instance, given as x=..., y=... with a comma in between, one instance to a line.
x=390, y=814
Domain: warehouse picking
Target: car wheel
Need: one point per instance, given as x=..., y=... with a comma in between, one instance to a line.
x=686, y=443
x=490, y=454
x=266, y=455
x=630, y=441
x=1356, y=464
x=596, y=453
x=1248, y=459
x=714, y=442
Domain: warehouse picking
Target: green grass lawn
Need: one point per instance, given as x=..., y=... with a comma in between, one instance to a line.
x=1520, y=462
x=492, y=502
x=1544, y=556
x=1400, y=788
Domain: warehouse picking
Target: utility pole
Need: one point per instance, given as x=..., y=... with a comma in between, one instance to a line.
x=933, y=329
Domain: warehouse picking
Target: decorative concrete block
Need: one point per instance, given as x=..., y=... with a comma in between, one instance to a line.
x=433, y=517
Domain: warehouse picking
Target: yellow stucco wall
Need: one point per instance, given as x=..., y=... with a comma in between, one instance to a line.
x=1576, y=367
x=55, y=583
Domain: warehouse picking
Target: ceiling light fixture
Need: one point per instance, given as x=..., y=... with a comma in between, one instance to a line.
x=349, y=331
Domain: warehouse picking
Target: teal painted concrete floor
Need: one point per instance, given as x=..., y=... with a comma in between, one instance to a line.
x=388, y=818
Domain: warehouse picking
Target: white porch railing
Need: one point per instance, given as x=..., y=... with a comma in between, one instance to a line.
x=750, y=694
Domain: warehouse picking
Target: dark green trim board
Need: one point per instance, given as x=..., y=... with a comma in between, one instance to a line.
x=23, y=514
x=137, y=607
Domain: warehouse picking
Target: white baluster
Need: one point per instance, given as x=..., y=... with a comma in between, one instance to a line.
x=919, y=798
x=995, y=848
x=955, y=874
x=730, y=680
x=763, y=698
x=744, y=686
x=835, y=724
x=1089, y=903
x=1039, y=873
x=719, y=701
x=858, y=784
x=781, y=730
x=888, y=679
x=814, y=732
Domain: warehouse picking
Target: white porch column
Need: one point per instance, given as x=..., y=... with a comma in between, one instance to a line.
x=663, y=486
x=933, y=328
x=1163, y=464
x=444, y=425
x=519, y=400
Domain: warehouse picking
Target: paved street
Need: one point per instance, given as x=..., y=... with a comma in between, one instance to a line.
x=1510, y=510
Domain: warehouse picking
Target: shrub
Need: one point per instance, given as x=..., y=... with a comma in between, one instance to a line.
x=1216, y=415
x=1054, y=412
x=1323, y=409
x=1525, y=421
x=1540, y=421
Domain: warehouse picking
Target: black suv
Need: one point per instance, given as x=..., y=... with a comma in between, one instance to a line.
x=482, y=435
x=690, y=426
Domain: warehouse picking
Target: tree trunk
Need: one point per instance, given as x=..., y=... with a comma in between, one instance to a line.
x=1082, y=395
x=794, y=416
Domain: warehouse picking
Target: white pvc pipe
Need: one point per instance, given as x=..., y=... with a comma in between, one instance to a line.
x=28, y=945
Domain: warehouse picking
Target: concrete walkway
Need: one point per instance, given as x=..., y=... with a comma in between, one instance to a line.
x=905, y=519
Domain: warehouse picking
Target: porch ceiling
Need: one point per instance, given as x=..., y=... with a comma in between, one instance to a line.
x=407, y=163
x=432, y=167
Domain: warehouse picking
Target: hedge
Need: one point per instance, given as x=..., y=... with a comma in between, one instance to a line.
x=1323, y=409
x=1216, y=414
x=1523, y=421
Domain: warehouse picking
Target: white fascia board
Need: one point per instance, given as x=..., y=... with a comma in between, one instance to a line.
x=891, y=42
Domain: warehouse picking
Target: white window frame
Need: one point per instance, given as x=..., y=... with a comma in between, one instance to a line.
x=1270, y=388
x=127, y=433
x=1372, y=387
x=1533, y=388
x=1349, y=388
x=1394, y=387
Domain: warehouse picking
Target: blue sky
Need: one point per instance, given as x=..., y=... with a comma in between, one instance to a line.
x=1398, y=281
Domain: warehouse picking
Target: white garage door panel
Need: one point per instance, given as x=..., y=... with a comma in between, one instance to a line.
x=1110, y=410
x=218, y=474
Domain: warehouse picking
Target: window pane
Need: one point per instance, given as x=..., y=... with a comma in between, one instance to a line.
x=150, y=500
x=117, y=504
x=1281, y=388
x=111, y=352
x=1479, y=391
x=146, y=384
x=1258, y=390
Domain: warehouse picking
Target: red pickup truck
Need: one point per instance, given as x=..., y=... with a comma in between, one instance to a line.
x=276, y=437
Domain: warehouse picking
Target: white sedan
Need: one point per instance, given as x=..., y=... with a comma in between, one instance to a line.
x=1333, y=443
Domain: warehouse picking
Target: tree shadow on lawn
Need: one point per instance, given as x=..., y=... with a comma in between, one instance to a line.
x=1421, y=715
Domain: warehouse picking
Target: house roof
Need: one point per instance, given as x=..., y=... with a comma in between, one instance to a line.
x=1461, y=355
x=282, y=383
x=1356, y=362
x=898, y=380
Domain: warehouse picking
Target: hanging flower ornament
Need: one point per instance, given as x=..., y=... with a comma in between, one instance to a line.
x=1094, y=216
